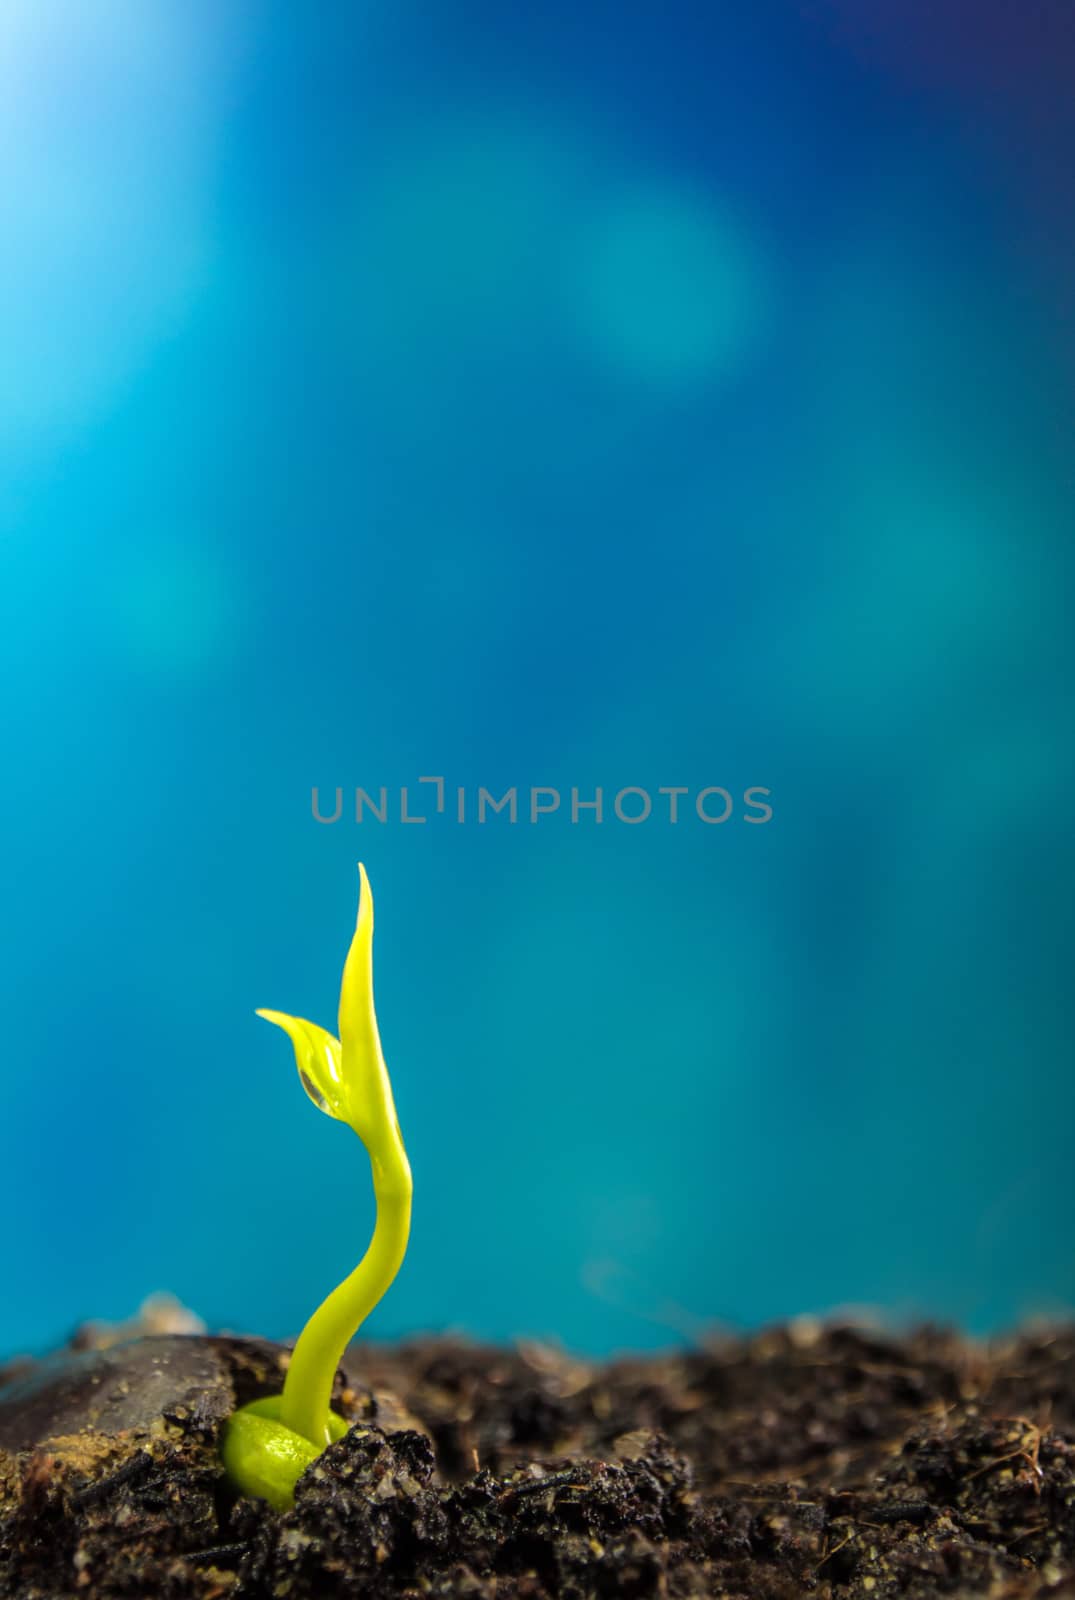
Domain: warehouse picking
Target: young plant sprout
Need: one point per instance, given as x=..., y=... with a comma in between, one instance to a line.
x=269, y=1443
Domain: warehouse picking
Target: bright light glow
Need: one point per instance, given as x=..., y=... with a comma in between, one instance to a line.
x=108, y=115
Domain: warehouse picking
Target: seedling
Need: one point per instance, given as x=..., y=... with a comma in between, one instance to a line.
x=269, y=1443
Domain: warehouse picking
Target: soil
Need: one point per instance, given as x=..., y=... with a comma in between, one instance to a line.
x=805, y=1460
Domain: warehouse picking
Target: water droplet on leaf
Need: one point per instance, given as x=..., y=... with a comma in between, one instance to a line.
x=314, y=1092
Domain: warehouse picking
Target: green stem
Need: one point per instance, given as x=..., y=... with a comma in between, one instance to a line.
x=308, y=1387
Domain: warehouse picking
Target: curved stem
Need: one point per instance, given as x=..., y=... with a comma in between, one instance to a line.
x=322, y=1342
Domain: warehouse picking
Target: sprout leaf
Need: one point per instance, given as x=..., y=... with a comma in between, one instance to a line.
x=319, y=1059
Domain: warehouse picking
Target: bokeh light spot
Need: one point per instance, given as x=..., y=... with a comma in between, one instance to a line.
x=672, y=289
x=175, y=610
x=456, y=239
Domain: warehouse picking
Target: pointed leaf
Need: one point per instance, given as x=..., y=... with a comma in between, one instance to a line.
x=318, y=1058
x=366, y=1087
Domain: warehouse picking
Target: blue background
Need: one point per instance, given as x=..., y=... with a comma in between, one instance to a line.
x=564, y=395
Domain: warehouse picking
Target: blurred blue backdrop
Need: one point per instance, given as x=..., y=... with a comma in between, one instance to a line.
x=567, y=396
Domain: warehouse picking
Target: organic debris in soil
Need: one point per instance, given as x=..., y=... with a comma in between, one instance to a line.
x=803, y=1461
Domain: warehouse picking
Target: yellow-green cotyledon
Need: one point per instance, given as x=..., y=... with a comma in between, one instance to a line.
x=269, y=1443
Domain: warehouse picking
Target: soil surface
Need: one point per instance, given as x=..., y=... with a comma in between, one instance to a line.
x=806, y=1460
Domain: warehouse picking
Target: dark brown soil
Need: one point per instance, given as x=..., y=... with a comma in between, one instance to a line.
x=803, y=1461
